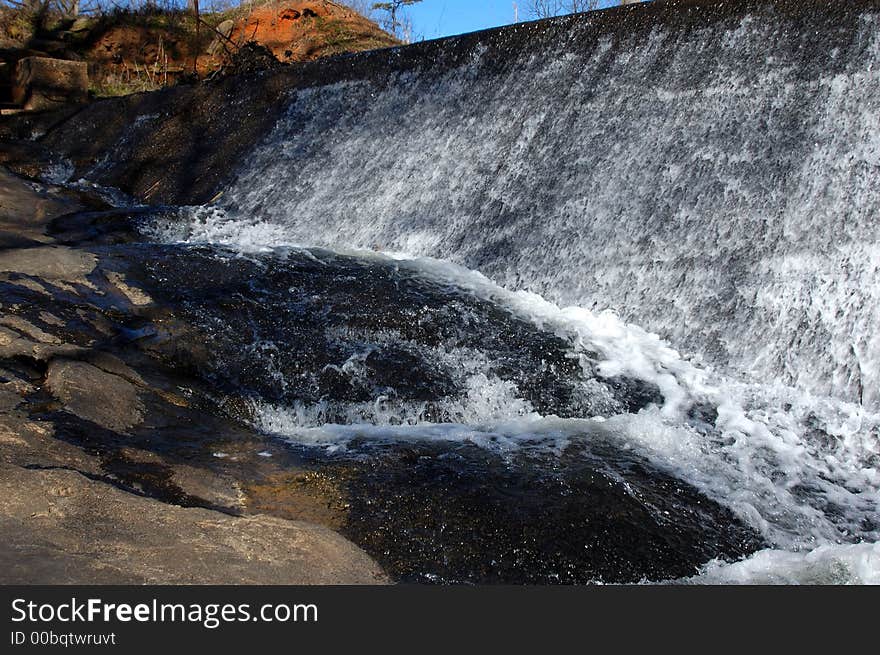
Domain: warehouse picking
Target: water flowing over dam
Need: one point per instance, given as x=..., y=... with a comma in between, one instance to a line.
x=616, y=251
x=712, y=180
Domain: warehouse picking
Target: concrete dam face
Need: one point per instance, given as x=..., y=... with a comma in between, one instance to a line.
x=706, y=172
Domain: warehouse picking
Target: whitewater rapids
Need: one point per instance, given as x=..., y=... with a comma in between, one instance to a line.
x=799, y=468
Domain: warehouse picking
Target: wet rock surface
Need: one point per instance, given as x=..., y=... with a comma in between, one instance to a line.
x=25, y=210
x=596, y=513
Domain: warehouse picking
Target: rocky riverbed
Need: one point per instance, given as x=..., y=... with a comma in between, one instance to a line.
x=108, y=467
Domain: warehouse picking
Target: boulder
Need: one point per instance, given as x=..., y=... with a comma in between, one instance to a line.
x=95, y=395
x=81, y=24
x=26, y=209
x=46, y=83
x=223, y=30
x=60, y=527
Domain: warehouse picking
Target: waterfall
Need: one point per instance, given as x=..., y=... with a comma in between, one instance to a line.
x=706, y=173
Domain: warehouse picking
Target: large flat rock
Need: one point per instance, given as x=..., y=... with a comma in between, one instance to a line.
x=95, y=395
x=61, y=527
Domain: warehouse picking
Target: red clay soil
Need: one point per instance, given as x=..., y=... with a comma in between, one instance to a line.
x=302, y=30
x=294, y=30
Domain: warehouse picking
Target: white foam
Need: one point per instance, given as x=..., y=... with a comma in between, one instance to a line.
x=838, y=565
x=212, y=225
x=298, y=424
x=486, y=401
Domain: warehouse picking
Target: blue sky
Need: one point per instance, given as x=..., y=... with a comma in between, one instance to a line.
x=436, y=18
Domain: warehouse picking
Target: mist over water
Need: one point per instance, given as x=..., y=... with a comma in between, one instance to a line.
x=694, y=208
